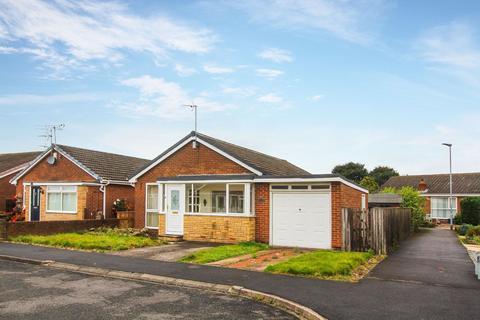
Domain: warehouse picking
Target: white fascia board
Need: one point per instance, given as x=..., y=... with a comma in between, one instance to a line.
x=208, y=145
x=310, y=180
x=120, y=182
x=433, y=195
x=12, y=170
x=30, y=166
x=203, y=181
x=61, y=184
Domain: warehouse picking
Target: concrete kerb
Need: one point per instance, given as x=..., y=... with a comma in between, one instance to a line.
x=291, y=307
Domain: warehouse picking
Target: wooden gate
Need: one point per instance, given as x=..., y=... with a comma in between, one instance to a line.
x=379, y=229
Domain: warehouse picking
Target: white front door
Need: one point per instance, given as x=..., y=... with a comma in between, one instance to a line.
x=301, y=219
x=175, y=208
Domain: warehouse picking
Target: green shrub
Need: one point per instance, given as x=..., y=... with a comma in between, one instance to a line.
x=463, y=229
x=457, y=219
x=471, y=210
x=473, y=232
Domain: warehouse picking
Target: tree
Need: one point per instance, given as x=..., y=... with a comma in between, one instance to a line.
x=369, y=183
x=382, y=173
x=411, y=199
x=353, y=171
x=471, y=210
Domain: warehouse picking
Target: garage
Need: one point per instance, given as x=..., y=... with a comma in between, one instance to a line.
x=301, y=216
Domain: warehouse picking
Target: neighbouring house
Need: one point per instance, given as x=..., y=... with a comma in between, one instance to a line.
x=205, y=189
x=10, y=165
x=69, y=183
x=436, y=189
x=384, y=200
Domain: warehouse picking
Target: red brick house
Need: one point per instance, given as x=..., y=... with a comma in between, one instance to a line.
x=10, y=165
x=68, y=183
x=205, y=189
x=436, y=189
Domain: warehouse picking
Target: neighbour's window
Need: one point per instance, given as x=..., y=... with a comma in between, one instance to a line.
x=151, y=219
x=440, y=207
x=62, y=199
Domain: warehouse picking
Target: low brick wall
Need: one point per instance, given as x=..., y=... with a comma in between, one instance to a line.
x=13, y=229
x=219, y=228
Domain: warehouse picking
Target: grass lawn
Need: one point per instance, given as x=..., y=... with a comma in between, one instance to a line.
x=99, y=241
x=323, y=264
x=224, y=252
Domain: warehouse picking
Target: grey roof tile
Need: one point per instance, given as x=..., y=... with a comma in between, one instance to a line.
x=11, y=160
x=439, y=183
x=109, y=166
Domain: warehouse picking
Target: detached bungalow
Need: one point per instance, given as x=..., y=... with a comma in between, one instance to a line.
x=68, y=183
x=205, y=189
x=436, y=189
x=10, y=165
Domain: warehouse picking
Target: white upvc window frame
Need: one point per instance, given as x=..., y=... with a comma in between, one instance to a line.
x=247, y=196
x=447, y=209
x=160, y=199
x=61, y=191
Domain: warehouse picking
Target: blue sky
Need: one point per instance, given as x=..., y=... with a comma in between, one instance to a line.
x=315, y=82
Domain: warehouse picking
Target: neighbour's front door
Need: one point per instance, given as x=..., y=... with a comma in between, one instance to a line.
x=175, y=209
x=35, y=207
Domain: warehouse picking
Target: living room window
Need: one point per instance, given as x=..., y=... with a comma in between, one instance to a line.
x=218, y=198
x=62, y=199
x=440, y=207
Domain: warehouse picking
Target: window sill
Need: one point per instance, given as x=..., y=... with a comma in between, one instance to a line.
x=240, y=215
x=62, y=212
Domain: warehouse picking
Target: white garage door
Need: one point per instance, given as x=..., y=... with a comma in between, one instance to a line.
x=301, y=219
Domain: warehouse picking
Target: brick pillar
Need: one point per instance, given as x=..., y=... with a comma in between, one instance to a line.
x=262, y=212
x=336, y=215
x=3, y=230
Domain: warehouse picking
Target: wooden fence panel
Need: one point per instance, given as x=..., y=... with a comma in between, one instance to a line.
x=379, y=229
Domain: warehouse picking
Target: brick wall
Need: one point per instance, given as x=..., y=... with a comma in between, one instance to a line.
x=219, y=228
x=186, y=161
x=343, y=196
x=262, y=212
x=7, y=190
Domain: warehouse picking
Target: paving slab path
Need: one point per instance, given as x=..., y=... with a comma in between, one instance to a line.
x=429, y=277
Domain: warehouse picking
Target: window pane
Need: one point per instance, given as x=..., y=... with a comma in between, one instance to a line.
x=69, y=188
x=54, y=188
x=211, y=197
x=69, y=202
x=54, y=201
x=236, y=198
x=152, y=197
x=175, y=200
x=152, y=219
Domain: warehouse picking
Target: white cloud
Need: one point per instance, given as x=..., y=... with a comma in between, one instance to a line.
x=317, y=97
x=217, y=70
x=66, y=32
x=276, y=55
x=270, y=98
x=239, y=91
x=33, y=100
x=452, y=49
x=164, y=99
x=268, y=73
x=184, y=71
x=348, y=19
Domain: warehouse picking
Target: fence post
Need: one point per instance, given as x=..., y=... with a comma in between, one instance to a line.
x=3, y=230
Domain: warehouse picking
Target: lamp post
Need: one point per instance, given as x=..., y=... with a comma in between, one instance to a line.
x=449, y=145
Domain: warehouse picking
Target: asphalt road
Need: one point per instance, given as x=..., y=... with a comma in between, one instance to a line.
x=429, y=277
x=36, y=292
